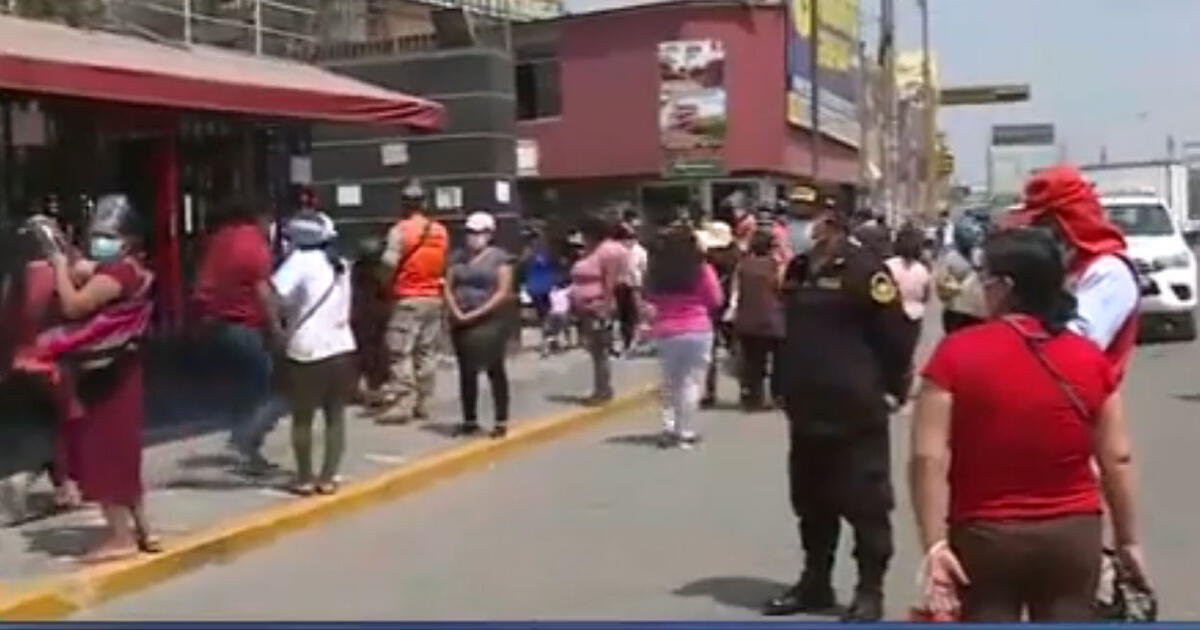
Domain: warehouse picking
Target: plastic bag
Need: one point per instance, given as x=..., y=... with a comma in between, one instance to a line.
x=1118, y=598
x=924, y=611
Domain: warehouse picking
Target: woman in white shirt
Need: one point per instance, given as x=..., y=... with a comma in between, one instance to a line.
x=314, y=289
x=913, y=278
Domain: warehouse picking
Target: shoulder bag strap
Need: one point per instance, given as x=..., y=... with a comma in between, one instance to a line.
x=303, y=319
x=1034, y=343
x=421, y=240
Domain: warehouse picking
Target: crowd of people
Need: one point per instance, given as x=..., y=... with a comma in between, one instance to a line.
x=820, y=310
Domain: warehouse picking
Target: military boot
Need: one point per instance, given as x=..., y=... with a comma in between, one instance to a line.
x=812, y=594
x=868, y=595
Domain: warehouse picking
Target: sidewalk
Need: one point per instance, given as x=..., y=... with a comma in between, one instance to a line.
x=192, y=483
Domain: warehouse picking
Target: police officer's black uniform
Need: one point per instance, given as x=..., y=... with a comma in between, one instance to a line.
x=846, y=348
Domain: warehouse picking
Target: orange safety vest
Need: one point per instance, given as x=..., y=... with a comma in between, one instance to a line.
x=424, y=265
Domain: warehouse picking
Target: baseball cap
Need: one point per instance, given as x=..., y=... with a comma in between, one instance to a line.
x=481, y=222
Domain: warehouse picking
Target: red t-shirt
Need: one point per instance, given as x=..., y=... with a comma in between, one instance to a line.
x=237, y=258
x=1019, y=449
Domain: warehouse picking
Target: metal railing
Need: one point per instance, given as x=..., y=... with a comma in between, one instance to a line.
x=249, y=16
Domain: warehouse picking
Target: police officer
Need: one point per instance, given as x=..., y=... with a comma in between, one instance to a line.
x=844, y=354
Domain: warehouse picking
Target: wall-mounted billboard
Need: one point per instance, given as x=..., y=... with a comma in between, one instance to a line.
x=837, y=58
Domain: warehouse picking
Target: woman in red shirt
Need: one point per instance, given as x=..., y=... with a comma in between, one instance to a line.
x=1011, y=414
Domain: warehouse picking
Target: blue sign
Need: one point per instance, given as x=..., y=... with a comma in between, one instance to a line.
x=837, y=76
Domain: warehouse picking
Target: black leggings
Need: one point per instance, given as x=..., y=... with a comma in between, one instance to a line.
x=480, y=348
x=323, y=385
x=760, y=360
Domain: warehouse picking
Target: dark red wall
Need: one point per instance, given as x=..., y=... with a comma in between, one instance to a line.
x=609, y=74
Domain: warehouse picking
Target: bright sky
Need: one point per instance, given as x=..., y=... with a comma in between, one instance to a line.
x=1115, y=73
x=1120, y=74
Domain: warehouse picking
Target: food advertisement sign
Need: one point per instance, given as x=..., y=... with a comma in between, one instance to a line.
x=692, y=112
x=837, y=76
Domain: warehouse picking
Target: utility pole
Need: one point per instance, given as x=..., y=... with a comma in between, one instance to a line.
x=929, y=174
x=815, y=71
x=887, y=61
x=258, y=27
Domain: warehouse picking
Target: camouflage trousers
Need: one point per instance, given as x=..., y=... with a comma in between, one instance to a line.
x=414, y=337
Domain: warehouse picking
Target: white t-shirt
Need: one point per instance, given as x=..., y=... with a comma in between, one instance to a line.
x=560, y=301
x=1107, y=295
x=635, y=266
x=914, y=283
x=301, y=281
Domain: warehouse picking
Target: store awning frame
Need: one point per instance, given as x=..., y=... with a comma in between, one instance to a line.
x=46, y=58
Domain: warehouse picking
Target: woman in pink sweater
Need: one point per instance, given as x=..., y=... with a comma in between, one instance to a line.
x=682, y=291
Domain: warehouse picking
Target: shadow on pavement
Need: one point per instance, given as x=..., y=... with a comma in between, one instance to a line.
x=649, y=440
x=739, y=592
x=224, y=461
x=444, y=429
x=220, y=485
x=1188, y=398
x=65, y=541
x=568, y=399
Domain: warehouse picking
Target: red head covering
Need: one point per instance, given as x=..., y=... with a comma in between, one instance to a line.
x=1061, y=192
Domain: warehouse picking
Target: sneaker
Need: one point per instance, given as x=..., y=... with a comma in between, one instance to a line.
x=688, y=440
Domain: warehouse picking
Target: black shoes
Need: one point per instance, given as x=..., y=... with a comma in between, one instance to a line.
x=466, y=429
x=867, y=607
x=802, y=598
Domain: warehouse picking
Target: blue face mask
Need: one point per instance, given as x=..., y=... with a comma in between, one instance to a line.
x=800, y=233
x=105, y=248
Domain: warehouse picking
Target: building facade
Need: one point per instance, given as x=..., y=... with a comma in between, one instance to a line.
x=603, y=110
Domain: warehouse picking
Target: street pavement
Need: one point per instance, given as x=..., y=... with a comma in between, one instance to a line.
x=603, y=525
x=194, y=482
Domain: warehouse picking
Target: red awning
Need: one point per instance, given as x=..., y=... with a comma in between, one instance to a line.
x=49, y=58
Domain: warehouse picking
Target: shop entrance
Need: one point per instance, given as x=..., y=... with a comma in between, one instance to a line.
x=666, y=201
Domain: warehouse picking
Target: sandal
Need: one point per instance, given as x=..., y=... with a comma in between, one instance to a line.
x=149, y=543
x=303, y=489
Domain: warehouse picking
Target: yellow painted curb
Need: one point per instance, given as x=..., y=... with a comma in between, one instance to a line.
x=56, y=598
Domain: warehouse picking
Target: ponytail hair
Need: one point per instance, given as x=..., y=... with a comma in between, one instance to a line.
x=1032, y=262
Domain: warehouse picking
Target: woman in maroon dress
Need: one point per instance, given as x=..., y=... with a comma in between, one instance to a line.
x=105, y=371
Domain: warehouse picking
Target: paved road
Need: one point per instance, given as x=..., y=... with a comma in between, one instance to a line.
x=603, y=526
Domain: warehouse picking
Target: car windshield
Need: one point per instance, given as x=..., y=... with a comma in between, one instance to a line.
x=1141, y=219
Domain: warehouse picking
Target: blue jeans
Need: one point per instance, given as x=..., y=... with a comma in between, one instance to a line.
x=241, y=359
x=684, y=360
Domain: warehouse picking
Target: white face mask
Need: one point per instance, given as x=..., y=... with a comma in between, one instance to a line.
x=977, y=257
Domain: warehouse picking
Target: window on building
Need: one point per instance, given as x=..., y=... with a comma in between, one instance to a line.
x=537, y=80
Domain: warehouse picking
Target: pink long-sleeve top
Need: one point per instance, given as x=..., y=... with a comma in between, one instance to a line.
x=690, y=312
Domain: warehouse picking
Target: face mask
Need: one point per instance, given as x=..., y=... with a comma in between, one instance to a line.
x=105, y=248
x=977, y=257
x=800, y=232
x=477, y=241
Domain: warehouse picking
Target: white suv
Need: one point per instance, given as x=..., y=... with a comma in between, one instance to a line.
x=1164, y=260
